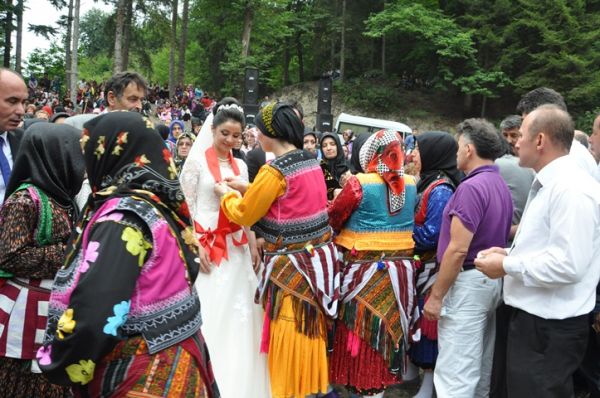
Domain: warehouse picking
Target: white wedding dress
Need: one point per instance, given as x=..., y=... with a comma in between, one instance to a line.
x=232, y=322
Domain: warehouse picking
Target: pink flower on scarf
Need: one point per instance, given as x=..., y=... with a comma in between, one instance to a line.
x=91, y=254
x=43, y=355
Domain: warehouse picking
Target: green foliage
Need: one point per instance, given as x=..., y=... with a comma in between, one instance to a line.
x=51, y=60
x=96, y=33
x=482, y=48
x=585, y=122
x=368, y=94
x=98, y=67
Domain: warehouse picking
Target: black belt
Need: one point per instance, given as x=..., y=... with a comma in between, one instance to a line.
x=467, y=267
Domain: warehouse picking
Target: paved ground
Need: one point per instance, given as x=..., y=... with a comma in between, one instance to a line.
x=407, y=390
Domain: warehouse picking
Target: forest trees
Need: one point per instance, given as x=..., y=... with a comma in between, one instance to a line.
x=485, y=53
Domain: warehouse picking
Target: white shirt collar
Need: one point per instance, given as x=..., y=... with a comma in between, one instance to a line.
x=552, y=171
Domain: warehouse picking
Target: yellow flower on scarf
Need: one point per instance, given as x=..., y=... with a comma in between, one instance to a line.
x=66, y=324
x=83, y=372
x=189, y=237
x=172, y=170
x=149, y=123
x=136, y=244
x=100, y=148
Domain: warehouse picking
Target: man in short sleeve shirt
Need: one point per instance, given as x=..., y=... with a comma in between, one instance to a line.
x=463, y=299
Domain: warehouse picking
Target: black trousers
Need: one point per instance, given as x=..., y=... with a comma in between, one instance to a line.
x=542, y=354
x=590, y=367
x=498, y=379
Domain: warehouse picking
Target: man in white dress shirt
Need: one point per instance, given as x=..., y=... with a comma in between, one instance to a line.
x=13, y=94
x=552, y=270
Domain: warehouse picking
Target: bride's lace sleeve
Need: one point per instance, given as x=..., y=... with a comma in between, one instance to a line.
x=190, y=181
x=243, y=169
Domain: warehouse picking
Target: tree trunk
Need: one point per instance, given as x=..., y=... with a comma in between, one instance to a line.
x=185, y=19
x=74, y=52
x=127, y=33
x=68, y=35
x=119, y=33
x=286, y=62
x=300, y=54
x=19, y=47
x=383, y=55
x=173, y=49
x=246, y=32
x=483, y=105
x=7, y=33
x=343, y=43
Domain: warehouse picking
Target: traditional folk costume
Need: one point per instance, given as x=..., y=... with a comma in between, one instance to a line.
x=35, y=224
x=439, y=178
x=299, y=286
x=376, y=324
x=124, y=319
x=233, y=321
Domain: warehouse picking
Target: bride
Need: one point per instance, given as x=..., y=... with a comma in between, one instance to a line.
x=232, y=321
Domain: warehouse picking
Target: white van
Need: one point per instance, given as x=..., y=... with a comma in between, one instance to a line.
x=361, y=124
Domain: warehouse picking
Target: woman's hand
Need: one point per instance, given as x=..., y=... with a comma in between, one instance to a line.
x=221, y=189
x=344, y=178
x=237, y=183
x=205, y=263
x=256, y=251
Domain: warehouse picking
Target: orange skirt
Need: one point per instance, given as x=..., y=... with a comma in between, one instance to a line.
x=297, y=363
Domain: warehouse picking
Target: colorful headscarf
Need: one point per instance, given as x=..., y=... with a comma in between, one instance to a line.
x=382, y=154
x=279, y=120
x=173, y=123
x=187, y=135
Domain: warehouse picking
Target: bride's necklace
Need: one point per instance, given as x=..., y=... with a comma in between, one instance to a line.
x=223, y=160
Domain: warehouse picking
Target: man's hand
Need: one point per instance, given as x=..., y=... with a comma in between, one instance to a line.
x=495, y=249
x=432, y=308
x=490, y=263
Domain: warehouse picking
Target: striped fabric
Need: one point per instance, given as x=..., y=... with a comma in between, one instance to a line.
x=401, y=275
x=23, y=301
x=320, y=269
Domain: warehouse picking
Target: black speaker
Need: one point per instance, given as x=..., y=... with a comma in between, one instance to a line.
x=250, y=112
x=251, y=86
x=325, y=122
x=324, y=101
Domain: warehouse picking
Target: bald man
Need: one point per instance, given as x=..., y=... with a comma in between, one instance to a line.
x=13, y=94
x=553, y=267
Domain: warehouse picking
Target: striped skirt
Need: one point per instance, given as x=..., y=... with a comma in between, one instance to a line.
x=376, y=321
x=299, y=290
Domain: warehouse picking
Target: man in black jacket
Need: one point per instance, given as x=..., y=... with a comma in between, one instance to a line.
x=13, y=94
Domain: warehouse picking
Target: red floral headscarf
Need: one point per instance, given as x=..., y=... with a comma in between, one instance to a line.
x=382, y=154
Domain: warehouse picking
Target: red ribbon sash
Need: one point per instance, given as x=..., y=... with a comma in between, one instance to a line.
x=215, y=241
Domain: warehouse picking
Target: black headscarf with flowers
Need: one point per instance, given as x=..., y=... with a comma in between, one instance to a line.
x=125, y=156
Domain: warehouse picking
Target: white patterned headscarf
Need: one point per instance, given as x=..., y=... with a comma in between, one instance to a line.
x=382, y=154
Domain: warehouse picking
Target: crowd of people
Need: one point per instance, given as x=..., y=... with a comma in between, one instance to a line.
x=223, y=259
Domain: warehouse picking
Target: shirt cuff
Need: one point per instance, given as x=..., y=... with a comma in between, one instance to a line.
x=512, y=265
